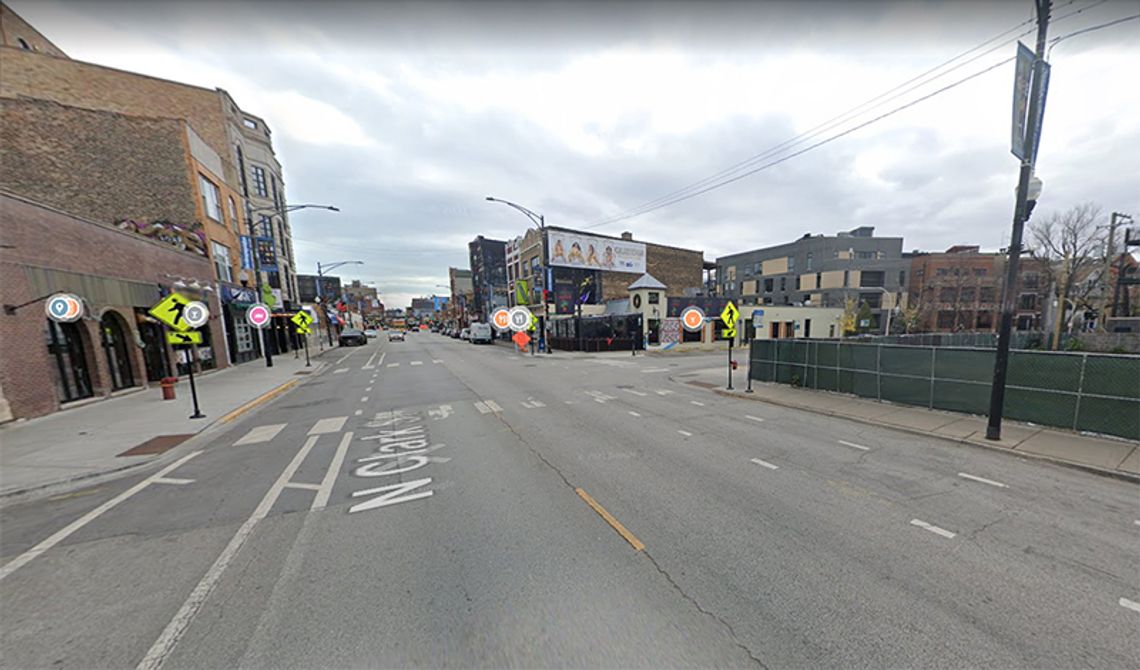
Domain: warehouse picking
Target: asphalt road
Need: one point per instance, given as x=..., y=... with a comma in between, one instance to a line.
x=432, y=503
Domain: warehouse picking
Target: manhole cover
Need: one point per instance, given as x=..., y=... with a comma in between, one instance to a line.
x=157, y=445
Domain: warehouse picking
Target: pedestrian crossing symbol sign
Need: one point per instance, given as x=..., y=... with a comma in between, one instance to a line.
x=302, y=319
x=304, y=330
x=730, y=315
x=171, y=311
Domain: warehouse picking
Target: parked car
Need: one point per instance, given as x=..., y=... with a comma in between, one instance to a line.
x=465, y=334
x=350, y=337
x=370, y=333
x=480, y=333
x=394, y=335
x=455, y=332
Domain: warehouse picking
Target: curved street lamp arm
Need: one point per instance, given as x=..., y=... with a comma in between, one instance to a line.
x=538, y=219
x=332, y=266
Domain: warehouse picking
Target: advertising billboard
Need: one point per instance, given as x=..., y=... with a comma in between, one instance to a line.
x=599, y=253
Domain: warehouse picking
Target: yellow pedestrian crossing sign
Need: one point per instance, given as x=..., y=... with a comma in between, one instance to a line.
x=189, y=337
x=730, y=315
x=170, y=310
x=302, y=319
x=303, y=330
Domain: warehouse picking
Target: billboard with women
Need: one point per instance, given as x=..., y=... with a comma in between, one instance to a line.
x=598, y=253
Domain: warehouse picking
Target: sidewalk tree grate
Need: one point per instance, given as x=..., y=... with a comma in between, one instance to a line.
x=157, y=445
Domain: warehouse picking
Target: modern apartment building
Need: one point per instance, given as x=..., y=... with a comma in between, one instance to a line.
x=488, y=276
x=821, y=271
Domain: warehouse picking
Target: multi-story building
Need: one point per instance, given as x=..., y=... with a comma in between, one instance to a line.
x=308, y=292
x=960, y=289
x=820, y=271
x=488, y=276
x=364, y=299
x=462, y=294
x=34, y=68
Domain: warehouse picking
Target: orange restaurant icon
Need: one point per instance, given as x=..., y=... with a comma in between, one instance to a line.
x=501, y=319
x=693, y=318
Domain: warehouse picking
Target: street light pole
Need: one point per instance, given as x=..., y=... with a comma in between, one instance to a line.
x=539, y=220
x=324, y=305
x=1021, y=211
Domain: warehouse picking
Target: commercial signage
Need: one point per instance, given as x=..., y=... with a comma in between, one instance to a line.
x=693, y=319
x=258, y=315
x=520, y=318
x=501, y=319
x=246, y=252
x=64, y=307
x=599, y=253
x=1022, y=74
x=266, y=254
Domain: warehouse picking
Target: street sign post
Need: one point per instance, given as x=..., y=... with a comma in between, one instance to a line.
x=729, y=317
x=258, y=316
x=182, y=343
x=302, y=320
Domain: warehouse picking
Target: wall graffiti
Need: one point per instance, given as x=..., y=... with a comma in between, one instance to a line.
x=186, y=237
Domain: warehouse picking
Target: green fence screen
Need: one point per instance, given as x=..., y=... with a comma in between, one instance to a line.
x=1080, y=391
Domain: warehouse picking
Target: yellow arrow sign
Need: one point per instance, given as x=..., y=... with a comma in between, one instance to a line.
x=730, y=315
x=169, y=311
x=302, y=319
x=303, y=330
x=728, y=333
x=189, y=337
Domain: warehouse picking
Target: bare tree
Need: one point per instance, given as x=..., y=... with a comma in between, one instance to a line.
x=1070, y=243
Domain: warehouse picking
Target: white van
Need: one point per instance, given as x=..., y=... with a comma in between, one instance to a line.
x=481, y=333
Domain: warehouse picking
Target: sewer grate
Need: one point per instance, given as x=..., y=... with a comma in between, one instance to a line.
x=157, y=445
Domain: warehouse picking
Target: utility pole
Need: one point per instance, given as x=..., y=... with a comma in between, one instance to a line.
x=253, y=243
x=1020, y=214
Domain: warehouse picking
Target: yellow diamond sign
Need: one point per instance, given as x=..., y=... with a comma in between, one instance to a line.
x=730, y=315
x=169, y=311
x=302, y=319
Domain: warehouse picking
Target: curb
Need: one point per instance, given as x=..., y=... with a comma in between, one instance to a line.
x=90, y=478
x=1115, y=474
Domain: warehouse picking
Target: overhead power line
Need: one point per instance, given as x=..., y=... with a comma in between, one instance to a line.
x=910, y=85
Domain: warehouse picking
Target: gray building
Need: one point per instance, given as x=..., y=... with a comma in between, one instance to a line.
x=307, y=288
x=488, y=276
x=822, y=271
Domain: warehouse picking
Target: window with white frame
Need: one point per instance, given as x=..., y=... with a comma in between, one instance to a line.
x=222, y=261
x=211, y=198
x=234, y=213
x=259, y=184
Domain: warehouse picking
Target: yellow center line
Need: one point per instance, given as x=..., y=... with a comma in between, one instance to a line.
x=258, y=400
x=629, y=537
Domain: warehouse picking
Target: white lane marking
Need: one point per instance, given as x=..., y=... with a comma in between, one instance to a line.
x=685, y=433
x=393, y=365
x=482, y=407
x=369, y=365
x=766, y=464
x=368, y=388
x=633, y=413
x=62, y=534
x=754, y=418
x=260, y=434
x=662, y=392
x=493, y=406
x=934, y=529
x=325, y=489
x=358, y=412
x=442, y=412
x=655, y=370
x=854, y=446
x=697, y=402
x=570, y=402
x=342, y=358
x=173, y=480
x=1137, y=522
x=1130, y=604
x=635, y=392
x=983, y=480
x=181, y=621
x=330, y=425
x=532, y=403
x=303, y=486
x=599, y=401
x=364, y=398
x=436, y=360
x=340, y=371
x=417, y=362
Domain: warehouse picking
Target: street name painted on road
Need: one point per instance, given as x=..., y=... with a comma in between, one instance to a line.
x=402, y=446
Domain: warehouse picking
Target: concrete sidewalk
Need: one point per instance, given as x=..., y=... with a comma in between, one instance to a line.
x=88, y=441
x=1117, y=457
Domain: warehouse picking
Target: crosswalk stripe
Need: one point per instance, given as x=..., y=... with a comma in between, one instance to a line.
x=482, y=407
x=260, y=434
x=417, y=362
x=393, y=365
x=436, y=360
x=329, y=425
x=493, y=405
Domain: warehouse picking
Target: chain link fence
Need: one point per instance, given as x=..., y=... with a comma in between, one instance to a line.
x=1079, y=391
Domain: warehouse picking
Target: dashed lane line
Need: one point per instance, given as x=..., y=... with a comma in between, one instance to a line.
x=685, y=433
x=697, y=403
x=177, y=481
x=364, y=399
x=393, y=365
x=358, y=412
x=766, y=464
x=1130, y=604
x=368, y=388
x=754, y=418
x=633, y=413
x=932, y=528
x=417, y=363
x=637, y=393
x=853, y=445
x=63, y=533
x=983, y=480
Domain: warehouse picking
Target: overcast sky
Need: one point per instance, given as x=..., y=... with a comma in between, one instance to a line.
x=406, y=115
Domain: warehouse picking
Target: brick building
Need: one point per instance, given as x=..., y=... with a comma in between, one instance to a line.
x=119, y=274
x=960, y=289
x=241, y=143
